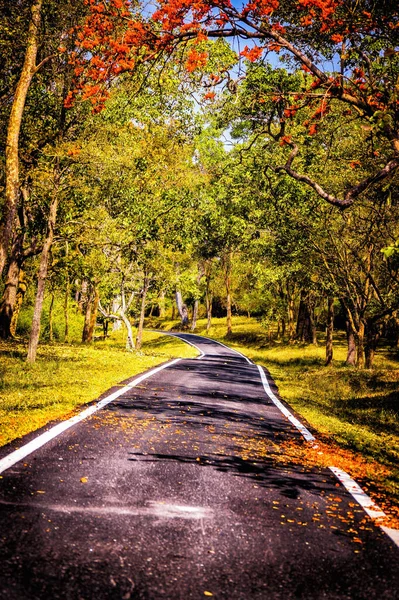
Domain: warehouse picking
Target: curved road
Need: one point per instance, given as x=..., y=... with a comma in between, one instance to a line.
x=155, y=496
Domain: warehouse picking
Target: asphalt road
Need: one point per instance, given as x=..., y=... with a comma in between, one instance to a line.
x=155, y=496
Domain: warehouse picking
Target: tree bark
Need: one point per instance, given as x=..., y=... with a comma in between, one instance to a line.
x=227, y=282
x=86, y=325
x=51, y=318
x=13, y=130
x=359, y=336
x=182, y=309
x=19, y=301
x=200, y=275
x=66, y=312
x=306, y=329
x=291, y=320
x=372, y=338
x=41, y=280
x=139, y=336
x=93, y=314
x=161, y=304
x=350, y=338
x=11, y=287
x=329, y=330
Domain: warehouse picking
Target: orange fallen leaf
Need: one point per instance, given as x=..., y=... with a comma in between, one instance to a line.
x=83, y=480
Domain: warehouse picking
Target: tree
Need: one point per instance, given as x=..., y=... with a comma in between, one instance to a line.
x=361, y=38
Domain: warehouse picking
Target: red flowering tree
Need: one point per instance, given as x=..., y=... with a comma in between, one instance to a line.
x=348, y=49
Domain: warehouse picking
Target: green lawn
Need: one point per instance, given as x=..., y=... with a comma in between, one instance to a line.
x=67, y=376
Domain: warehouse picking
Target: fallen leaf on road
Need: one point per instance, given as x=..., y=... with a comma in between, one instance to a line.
x=83, y=480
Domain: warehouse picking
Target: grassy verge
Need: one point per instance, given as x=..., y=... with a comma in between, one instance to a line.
x=355, y=412
x=67, y=376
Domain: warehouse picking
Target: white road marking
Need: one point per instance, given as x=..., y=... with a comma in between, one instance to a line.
x=17, y=455
x=202, y=354
x=232, y=349
x=304, y=431
x=360, y=496
x=368, y=505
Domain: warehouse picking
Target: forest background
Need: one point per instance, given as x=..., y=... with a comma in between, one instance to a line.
x=224, y=169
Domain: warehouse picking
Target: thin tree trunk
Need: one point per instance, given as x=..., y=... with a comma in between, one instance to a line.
x=372, y=337
x=359, y=335
x=182, y=309
x=66, y=312
x=13, y=131
x=11, y=288
x=129, y=339
x=41, y=281
x=19, y=301
x=93, y=314
x=350, y=338
x=161, y=304
x=330, y=330
x=195, y=315
x=51, y=317
x=227, y=281
x=139, y=336
x=208, y=299
x=291, y=320
x=283, y=328
x=86, y=324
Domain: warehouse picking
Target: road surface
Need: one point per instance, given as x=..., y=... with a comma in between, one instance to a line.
x=156, y=496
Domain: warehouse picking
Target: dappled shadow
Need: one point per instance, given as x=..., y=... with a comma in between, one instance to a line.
x=289, y=479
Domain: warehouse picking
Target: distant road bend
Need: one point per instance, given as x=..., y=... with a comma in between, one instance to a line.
x=154, y=496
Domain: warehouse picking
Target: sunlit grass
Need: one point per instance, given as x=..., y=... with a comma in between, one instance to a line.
x=67, y=376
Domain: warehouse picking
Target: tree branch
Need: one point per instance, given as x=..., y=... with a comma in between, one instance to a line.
x=351, y=194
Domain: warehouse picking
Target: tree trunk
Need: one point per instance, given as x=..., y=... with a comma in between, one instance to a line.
x=359, y=336
x=283, y=328
x=41, y=281
x=306, y=327
x=86, y=325
x=20, y=298
x=51, y=317
x=11, y=288
x=139, y=337
x=201, y=273
x=350, y=337
x=161, y=304
x=291, y=320
x=66, y=313
x=13, y=131
x=208, y=299
x=129, y=339
x=329, y=330
x=182, y=309
x=93, y=314
x=195, y=315
x=227, y=281
x=372, y=337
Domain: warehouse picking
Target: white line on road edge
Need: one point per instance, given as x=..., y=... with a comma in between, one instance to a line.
x=368, y=505
x=17, y=455
x=232, y=349
x=202, y=354
x=360, y=496
x=305, y=432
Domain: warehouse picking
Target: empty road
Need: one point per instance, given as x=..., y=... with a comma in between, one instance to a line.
x=157, y=495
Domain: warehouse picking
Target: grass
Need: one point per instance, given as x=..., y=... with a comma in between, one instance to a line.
x=65, y=377
x=356, y=410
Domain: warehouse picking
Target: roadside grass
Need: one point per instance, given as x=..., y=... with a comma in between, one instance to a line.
x=65, y=377
x=356, y=413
